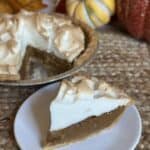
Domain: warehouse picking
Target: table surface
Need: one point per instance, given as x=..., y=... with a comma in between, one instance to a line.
x=121, y=60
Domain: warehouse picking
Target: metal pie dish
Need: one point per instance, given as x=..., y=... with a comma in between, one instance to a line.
x=41, y=68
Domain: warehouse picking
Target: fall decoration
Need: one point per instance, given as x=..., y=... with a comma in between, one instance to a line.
x=13, y=6
x=5, y=7
x=134, y=15
x=93, y=12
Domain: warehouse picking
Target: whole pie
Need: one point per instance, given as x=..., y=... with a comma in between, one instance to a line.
x=54, y=34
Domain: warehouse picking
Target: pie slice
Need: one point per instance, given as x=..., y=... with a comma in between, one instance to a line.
x=83, y=107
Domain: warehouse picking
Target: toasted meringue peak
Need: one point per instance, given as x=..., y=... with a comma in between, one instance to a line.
x=42, y=31
x=82, y=97
x=72, y=48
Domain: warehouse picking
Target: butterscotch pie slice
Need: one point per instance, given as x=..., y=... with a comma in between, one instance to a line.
x=83, y=107
x=53, y=33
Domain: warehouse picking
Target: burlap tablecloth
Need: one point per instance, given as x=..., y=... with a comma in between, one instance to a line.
x=120, y=60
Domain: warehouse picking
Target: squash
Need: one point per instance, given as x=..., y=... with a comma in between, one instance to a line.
x=14, y=6
x=134, y=15
x=93, y=12
x=5, y=7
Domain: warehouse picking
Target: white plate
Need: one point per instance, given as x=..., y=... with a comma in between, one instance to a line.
x=31, y=124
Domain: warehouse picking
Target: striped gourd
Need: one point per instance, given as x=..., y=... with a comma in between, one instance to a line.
x=93, y=12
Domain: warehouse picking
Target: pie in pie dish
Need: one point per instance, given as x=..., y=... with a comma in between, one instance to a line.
x=54, y=34
x=83, y=107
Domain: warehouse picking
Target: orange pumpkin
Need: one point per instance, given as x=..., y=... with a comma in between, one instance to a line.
x=13, y=6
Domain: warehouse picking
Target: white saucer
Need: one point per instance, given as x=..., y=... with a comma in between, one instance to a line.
x=31, y=125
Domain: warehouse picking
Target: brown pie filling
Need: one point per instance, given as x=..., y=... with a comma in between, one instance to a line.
x=82, y=130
